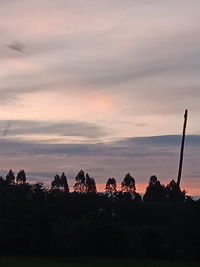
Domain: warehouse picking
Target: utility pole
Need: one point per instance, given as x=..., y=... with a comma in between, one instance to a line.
x=182, y=148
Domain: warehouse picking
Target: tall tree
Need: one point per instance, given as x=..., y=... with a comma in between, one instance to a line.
x=21, y=177
x=55, y=184
x=154, y=191
x=111, y=186
x=90, y=184
x=10, y=177
x=63, y=182
x=128, y=184
x=80, y=185
x=60, y=183
x=173, y=192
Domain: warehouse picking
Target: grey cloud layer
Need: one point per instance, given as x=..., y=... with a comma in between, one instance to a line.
x=68, y=128
x=165, y=140
x=141, y=156
x=138, y=146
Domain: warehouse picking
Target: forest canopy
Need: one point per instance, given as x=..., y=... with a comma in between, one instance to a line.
x=35, y=220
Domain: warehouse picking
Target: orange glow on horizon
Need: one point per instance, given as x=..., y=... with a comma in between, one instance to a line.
x=190, y=188
x=140, y=187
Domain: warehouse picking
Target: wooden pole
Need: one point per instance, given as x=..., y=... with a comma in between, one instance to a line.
x=182, y=148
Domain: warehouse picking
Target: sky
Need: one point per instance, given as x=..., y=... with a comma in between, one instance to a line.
x=100, y=86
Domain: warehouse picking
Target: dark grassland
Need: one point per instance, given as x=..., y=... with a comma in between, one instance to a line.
x=45, y=262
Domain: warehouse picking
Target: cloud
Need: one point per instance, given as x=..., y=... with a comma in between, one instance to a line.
x=65, y=128
x=129, y=66
x=165, y=140
x=16, y=46
x=141, y=156
x=154, y=47
x=129, y=147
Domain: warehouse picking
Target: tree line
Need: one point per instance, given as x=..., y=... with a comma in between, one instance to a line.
x=155, y=191
x=38, y=221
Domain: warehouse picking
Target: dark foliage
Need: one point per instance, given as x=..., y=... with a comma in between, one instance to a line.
x=38, y=221
x=173, y=192
x=56, y=183
x=80, y=185
x=155, y=191
x=10, y=177
x=60, y=182
x=63, y=182
x=21, y=177
x=111, y=186
x=128, y=184
x=90, y=184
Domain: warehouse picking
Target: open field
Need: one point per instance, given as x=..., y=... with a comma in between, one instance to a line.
x=44, y=262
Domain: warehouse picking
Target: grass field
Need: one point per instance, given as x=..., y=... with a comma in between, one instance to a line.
x=39, y=262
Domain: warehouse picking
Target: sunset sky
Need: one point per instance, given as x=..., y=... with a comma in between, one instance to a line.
x=100, y=85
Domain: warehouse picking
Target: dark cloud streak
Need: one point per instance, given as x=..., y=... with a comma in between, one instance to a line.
x=136, y=146
x=66, y=128
x=16, y=46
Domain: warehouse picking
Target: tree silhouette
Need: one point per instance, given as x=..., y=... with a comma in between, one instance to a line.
x=37, y=221
x=173, y=192
x=55, y=184
x=90, y=184
x=60, y=183
x=21, y=177
x=111, y=186
x=63, y=183
x=128, y=184
x=10, y=177
x=154, y=191
x=80, y=185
